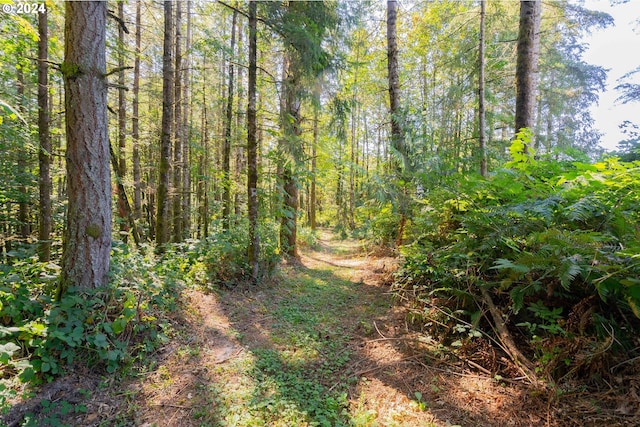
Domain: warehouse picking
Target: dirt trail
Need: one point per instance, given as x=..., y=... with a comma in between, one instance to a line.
x=320, y=344
x=230, y=370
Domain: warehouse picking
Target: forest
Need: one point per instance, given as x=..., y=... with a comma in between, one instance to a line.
x=314, y=213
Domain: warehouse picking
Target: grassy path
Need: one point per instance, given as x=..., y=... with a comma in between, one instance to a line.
x=295, y=352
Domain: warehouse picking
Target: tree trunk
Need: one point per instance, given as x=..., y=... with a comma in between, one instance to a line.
x=186, y=114
x=290, y=122
x=135, y=120
x=397, y=135
x=122, y=126
x=24, y=228
x=252, y=148
x=177, y=147
x=314, y=154
x=527, y=64
x=226, y=151
x=163, y=207
x=481, y=106
x=87, y=240
x=44, y=154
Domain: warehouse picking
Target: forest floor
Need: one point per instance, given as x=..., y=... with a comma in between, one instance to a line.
x=322, y=343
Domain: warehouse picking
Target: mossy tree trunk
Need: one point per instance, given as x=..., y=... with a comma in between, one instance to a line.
x=87, y=238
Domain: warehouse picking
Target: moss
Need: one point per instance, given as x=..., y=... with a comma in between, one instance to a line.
x=69, y=70
x=94, y=231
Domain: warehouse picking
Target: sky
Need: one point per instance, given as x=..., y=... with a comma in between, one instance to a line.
x=616, y=48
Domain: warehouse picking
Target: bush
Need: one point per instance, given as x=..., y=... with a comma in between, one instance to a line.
x=556, y=244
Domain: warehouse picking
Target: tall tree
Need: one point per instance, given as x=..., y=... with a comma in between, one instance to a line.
x=252, y=146
x=397, y=133
x=304, y=26
x=135, y=119
x=163, y=201
x=527, y=63
x=186, y=117
x=226, y=150
x=87, y=239
x=122, y=122
x=481, y=95
x=44, y=154
x=178, y=161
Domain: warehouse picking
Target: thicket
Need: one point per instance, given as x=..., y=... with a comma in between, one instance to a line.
x=553, y=246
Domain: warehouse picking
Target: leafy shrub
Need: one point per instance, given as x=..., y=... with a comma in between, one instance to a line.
x=221, y=258
x=102, y=328
x=556, y=244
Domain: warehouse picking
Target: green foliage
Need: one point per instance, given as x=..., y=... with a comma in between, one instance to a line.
x=103, y=328
x=221, y=259
x=558, y=244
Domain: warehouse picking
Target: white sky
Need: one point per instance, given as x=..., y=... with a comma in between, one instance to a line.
x=616, y=48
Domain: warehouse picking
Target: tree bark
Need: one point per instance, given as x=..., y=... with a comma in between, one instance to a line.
x=314, y=154
x=135, y=120
x=226, y=151
x=122, y=126
x=87, y=239
x=186, y=117
x=252, y=147
x=527, y=64
x=163, y=201
x=24, y=228
x=178, y=161
x=481, y=98
x=44, y=154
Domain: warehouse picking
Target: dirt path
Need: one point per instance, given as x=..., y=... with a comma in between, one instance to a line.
x=320, y=344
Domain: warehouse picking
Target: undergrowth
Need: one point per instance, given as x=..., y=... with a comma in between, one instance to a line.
x=557, y=247
x=114, y=326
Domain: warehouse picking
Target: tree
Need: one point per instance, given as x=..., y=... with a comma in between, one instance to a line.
x=44, y=154
x=178, y=161
x=481, y=95
x=87, y=239
x=303, y=26
x=252, y=146
x=226, y=150
x=163, y=201
x=397, y=133
x=135, y=119
x=527, y=64
x=122, y=122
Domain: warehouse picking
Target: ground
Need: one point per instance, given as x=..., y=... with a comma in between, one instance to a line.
x=322, y=343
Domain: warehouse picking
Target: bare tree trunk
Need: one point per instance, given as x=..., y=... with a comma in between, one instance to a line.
x=527, y=63
x=226, y=154
x=87, y=242
x=481, y=106
x=177, y=143
x=24, y=228
x=163, y=211
x=252, y=148
x=135, y=120
x=314, y=155
x=44, y=154
x=186, y=114
x=122, y=126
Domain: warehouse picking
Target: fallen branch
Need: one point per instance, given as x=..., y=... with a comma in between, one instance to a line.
x=521, y=361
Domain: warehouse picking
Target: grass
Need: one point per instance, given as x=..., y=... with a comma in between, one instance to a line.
x=296, y=370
